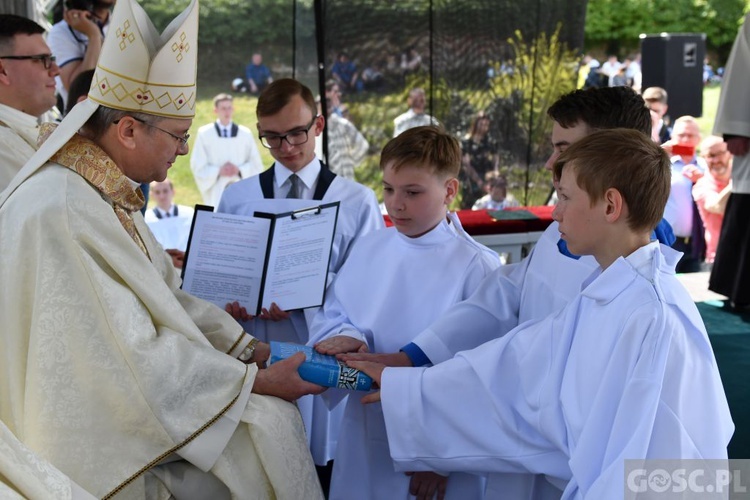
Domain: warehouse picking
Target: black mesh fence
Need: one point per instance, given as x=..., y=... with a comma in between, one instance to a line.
x=508, y=59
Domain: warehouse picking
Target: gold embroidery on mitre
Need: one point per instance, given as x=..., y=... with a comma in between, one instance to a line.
x=140, y=70
x=91, y=162
x=181, y=47
x=125, y=35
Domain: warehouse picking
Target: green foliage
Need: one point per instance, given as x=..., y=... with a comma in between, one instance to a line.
x=542, y=71
x=230, y=30
x=617, y=24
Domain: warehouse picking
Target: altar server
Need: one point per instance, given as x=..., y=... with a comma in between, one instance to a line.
x=412, y=271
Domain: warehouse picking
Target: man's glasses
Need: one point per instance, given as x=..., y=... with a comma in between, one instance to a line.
x=182, y=140
x=294, y=138
x=47, y=59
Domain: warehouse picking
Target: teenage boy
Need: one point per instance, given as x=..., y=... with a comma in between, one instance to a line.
x=421, y=266
x=288, y=123
x=625, y=371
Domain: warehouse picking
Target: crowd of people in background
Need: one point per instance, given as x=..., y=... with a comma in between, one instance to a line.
x=692, y=211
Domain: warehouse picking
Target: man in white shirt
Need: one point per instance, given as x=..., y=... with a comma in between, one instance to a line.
x=610, y=68
x=170, y=223
x=224, y=152
x=77, y=39
x=27, y=90
x=681, y=212
x=415, y=117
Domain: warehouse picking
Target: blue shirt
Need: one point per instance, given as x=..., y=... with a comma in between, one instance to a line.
x=259, y=73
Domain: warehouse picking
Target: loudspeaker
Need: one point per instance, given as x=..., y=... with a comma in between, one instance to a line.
x=674, y=62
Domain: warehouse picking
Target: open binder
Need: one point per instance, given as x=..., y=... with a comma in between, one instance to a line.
x=260, y=259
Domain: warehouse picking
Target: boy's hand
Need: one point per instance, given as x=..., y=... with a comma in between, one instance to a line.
x=275, y=313
x=340, y=344
x=426, y=485
x=374, y=370
x=238, y=312
x=387, y=359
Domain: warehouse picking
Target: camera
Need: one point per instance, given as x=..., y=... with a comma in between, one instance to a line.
x=87, y=5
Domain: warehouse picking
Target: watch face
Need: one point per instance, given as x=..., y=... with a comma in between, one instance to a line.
x=247, y=353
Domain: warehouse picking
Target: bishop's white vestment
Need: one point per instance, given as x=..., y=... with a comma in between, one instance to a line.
x=24, y=474
x=625, y=371
x=390, y=288
x=107, y=368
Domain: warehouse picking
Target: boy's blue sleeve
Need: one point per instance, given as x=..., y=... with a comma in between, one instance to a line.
x=664, y=233
x=415, y=354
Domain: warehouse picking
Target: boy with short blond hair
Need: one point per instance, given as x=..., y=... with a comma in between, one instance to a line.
x=389, y=289
x=625, y=371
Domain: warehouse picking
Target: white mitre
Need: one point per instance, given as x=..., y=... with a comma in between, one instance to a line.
x=138, y=70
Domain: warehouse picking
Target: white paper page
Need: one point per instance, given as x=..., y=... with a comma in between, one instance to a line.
x=226, y=258
x=300, y=253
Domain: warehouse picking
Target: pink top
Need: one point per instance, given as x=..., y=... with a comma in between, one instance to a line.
x=707, y=190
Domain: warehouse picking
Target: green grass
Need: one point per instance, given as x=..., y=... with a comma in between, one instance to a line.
x=710, y=103
x=386, y=108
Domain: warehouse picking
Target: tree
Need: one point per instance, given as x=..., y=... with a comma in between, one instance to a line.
x=617, y=24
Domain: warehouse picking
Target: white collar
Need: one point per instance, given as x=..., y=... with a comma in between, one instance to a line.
x=170, y=211
x=24, y=124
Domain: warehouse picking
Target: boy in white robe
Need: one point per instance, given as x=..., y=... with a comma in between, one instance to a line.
x=625, y=371
x=412, y=271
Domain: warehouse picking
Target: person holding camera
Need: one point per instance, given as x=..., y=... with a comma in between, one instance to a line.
x=76, y=40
